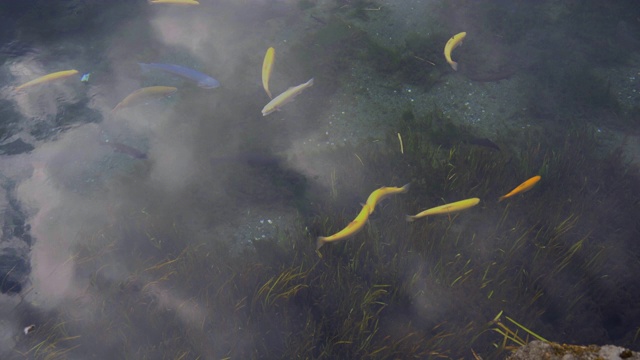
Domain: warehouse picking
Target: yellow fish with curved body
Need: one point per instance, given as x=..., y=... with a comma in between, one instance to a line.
x=525, y=186
x=356, y=225
x=47, y=78
x=144, y=93
x=267, y=66
x=285, y=97
x=454, y=42
x=446, y=209
x=383, y=192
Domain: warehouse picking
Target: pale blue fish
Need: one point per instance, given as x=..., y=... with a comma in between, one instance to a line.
x=203, y=80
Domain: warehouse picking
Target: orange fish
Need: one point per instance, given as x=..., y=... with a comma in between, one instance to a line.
x=525, y=186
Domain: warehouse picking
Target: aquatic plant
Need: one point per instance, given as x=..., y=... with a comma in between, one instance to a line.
x=419, y=54
x=356, y=9
x=427, y=289
x=509, y=335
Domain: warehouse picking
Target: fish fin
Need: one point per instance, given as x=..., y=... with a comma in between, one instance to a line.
x=320, y=242
x=409, y=218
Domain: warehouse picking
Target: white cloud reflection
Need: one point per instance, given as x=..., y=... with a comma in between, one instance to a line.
x=78, y=192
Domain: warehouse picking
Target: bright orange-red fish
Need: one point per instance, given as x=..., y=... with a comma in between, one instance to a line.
x=525, y=186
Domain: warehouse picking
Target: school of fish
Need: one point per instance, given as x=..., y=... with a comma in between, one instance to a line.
x=275, y=104
x=384, y=192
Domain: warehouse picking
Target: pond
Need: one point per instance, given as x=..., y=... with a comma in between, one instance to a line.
x=164, y=196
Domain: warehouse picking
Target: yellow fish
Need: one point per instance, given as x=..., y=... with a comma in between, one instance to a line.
x=267, y=66
x=144, y=93
x=175, y=2
x=285, y=97
x=383, y=192
x=452, y=44
x=446, y=209
x=525, y=186
x=356, y=225
x=47, y=78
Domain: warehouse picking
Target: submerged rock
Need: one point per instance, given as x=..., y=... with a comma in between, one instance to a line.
x=536, y=350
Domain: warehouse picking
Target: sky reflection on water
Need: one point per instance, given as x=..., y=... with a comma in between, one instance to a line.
x=98, y=224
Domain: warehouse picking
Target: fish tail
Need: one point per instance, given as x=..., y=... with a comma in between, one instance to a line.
x=410, y=218
x=454, y=65
x=502, y=198
x=320, y=242
x=310, y=82
x=406, y=187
